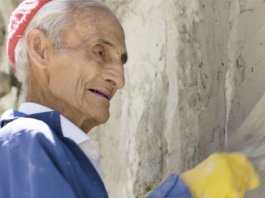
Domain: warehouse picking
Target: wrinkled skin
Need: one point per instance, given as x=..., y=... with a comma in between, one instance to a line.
x=80, y=80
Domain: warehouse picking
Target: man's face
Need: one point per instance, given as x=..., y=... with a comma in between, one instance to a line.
x=86, y=75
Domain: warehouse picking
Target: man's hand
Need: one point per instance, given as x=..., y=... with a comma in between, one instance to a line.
x=222, y=175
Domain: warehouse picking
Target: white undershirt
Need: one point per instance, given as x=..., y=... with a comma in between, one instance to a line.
x=68, y=128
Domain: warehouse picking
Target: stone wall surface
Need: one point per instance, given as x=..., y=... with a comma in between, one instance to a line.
x=195, y=70
x=8, y=90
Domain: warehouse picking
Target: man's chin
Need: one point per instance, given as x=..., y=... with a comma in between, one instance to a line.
x=89, y=123
x=103, y=119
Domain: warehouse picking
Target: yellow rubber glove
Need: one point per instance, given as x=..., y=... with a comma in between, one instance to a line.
x=222, y=175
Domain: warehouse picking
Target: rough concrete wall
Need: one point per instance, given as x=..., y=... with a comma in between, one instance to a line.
x=246, y=59
x=171, y=113
x=8, y=89
x=195, y=71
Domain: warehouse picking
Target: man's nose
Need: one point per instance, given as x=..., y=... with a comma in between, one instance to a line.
x=114, y=74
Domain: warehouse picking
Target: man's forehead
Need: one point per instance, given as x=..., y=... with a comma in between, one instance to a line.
x=96, y=23
x=94, y=15
x=95, y=18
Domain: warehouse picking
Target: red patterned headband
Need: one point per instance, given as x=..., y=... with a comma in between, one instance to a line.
x=19, y=20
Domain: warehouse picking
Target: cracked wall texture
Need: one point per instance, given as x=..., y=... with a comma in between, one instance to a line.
x=195, y=71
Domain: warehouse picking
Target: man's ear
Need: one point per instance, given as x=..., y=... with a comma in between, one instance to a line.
x=39, y=47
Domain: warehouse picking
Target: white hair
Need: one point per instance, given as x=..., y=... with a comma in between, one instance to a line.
x=52, y=19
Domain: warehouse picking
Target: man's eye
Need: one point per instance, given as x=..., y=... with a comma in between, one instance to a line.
x=101, y=53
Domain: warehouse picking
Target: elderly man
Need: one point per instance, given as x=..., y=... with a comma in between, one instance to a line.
x=69, y=56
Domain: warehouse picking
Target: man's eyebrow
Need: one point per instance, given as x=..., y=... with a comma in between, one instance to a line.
x=107, y=43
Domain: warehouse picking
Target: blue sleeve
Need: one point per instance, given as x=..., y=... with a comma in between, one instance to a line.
x=173, y=187
x=28, y=168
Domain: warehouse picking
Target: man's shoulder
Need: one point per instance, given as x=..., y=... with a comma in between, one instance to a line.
x=27, y=128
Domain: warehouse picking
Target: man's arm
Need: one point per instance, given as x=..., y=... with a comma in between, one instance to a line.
x=172, y=187
x=222, y=175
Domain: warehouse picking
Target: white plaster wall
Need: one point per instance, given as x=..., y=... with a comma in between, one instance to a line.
x=195, y=71
x=171, y=114
x=8, y=92
x=247, y=56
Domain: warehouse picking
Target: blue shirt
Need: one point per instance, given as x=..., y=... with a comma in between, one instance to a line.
x=38, y=161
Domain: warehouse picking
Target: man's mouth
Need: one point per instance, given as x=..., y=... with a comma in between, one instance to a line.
x=100, y=93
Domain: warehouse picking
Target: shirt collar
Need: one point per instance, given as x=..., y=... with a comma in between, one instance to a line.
x=68, y=128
